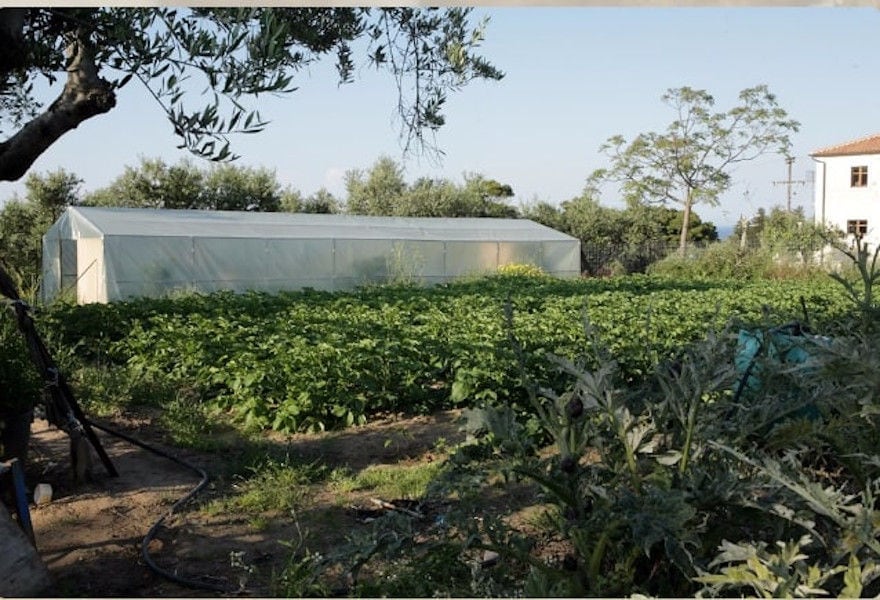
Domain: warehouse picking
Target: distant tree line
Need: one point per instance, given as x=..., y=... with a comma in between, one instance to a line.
x=379, y=190
x=614, y=240
x=24, y=221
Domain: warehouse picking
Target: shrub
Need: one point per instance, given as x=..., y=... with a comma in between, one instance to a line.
x=728, y=260
x=20, y=389
x=20, y=385
x=520, y=270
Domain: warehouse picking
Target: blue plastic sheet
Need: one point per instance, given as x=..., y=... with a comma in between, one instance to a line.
x=785, y=345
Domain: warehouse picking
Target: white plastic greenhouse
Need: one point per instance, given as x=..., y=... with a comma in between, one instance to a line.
x=107, y=254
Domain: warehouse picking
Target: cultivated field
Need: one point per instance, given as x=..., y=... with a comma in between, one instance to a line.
x=416, y=441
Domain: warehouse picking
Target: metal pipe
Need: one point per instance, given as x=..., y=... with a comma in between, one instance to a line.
x=824, y=179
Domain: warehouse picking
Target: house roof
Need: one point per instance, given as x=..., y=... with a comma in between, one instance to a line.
x=865, y=145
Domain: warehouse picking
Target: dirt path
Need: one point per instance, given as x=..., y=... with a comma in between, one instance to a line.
x=90, y=535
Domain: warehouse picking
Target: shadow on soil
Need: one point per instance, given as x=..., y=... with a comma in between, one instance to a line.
x=90, y=534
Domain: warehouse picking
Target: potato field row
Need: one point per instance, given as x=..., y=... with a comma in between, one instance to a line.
x=313, y=360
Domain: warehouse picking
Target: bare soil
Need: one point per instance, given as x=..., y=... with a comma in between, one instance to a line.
x=90, y=534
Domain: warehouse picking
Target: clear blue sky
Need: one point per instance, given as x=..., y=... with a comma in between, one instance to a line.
x=574, y=77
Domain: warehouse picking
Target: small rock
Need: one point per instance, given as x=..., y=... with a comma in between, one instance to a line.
x=490, y=559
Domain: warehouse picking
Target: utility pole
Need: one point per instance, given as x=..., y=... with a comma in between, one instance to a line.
x=811, y=181
x=788, y=181
x=743, y=236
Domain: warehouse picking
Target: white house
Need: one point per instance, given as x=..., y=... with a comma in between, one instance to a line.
x=847, y=188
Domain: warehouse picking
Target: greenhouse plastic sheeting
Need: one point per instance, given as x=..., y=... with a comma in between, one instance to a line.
x=106, y=254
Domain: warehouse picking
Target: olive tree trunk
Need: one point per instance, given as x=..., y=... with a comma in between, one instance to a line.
x=85, y=95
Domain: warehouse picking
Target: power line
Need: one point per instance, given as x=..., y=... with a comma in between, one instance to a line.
x=788, y=183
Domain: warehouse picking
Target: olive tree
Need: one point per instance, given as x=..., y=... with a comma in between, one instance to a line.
x=383, y=191
x=23, y=221
x=205, y=67
x=184, y=185
x=376, y=191
x=691, y=162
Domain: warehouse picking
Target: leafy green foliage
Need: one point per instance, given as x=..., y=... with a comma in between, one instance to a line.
x=781, y=230
x=153, y=184
x=861, y=288
x=20, y=384
x=629, y=239
x=24, y=221
x=730, y=259
x=206, y=67
x=688, y=477
x=777, y=245
x=774, y=574
x=586, y=219
x=690, y=162
x=376, y=192
x=321, y=202
x=383, y=191
x=313, y=360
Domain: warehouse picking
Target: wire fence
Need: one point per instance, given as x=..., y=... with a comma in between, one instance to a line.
x=600, y=259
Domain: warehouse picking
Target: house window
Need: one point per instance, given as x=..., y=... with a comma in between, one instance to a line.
x=858, y=177
x=857, y=227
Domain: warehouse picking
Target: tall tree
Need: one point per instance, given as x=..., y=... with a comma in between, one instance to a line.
x=376, y=192
x=321, y=202
x=23, y=221
x=488, y=188
x=51, y=193
x=231, y=187
x=292, y=201
x=428, y=197
x=489, y=197
x=382, y=190
x=690, y=163
x=205, y=67
x=154, y=184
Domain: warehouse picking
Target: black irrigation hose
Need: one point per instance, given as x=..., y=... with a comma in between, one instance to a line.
x=190, y=583
x=63, y=402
